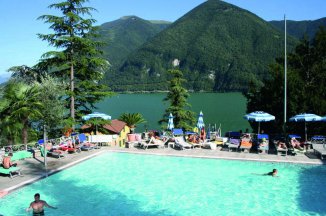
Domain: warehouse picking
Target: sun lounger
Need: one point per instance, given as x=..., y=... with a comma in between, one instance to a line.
x=181, y=143
x=21, y=155
x=263, y=143
x=151, y=142
x=245, y=144
x=209, y=144
x=12, y=171
x=319, y=149
x=280, y=150
x=233, y=144
x=52, y=153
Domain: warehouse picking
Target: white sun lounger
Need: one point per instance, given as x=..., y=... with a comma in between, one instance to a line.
x=151, y=142
x=181, y=143
x=319, y=149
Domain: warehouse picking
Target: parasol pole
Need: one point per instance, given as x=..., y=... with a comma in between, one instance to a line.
x=305, y=131
x=285, y=75
x=44, y=148
x=258, y=127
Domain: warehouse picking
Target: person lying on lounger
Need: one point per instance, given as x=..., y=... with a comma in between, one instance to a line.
x=6, y=162
x=281, y=145
x=296, y=144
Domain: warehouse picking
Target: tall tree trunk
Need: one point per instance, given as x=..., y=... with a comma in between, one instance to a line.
x=24, y=131
x=72, y=89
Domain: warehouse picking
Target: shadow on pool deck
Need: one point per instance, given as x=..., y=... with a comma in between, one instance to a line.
x=308, y=202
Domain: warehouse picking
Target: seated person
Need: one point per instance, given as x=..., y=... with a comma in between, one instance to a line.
x=296, y=144
x=192, y=138
x=281, y=145
x=6, y=162
x=246, y=136
x=263, y=142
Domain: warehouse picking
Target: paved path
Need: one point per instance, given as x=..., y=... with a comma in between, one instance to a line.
x=33, y=168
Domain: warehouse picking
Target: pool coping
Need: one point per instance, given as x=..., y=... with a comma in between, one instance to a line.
x=223, y=157
x=9, y=190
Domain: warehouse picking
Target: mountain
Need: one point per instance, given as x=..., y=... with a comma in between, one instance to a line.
x=219, y=47
x=300, y=28
x=126, y=34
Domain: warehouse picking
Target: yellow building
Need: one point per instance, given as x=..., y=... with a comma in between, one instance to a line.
x=118, y=129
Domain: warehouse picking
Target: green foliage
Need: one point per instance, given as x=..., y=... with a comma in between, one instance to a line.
x=53, y=112
x=20, y=105
x=179, y=107
x=300, y=28
x=26, y=74
x=125, y=35
x=306, y=86
x=132, y=119
x=79, y=59
x=96, y=124
x=220, y=47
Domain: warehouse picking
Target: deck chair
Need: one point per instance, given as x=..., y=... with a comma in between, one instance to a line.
x=318, y=139
x=51, y=153
x=320, y=150
x=294, y=141
x=177, y=132
x=233, y=141
x=263, y=143
x=151, y=142
x=12, y=171
x=181, y=143
x=245, y=144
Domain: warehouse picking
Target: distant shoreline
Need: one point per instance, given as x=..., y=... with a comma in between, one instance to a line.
x=161, y=91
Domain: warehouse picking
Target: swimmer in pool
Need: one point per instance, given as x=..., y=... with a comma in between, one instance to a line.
x=38, y=206
x=273, y=173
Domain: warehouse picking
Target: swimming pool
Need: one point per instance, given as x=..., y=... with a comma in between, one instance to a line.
x=130, y=184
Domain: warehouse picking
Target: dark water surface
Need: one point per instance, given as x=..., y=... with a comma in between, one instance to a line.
x=226, y=109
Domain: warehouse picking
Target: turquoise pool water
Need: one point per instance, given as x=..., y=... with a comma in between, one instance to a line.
x=129, y=184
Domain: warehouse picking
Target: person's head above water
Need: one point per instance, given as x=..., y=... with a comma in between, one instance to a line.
x=37, y=196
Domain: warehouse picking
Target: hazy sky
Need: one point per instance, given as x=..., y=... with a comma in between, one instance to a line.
x=19, y=25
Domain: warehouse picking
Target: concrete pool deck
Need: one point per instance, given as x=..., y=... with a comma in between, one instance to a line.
x=33, y=168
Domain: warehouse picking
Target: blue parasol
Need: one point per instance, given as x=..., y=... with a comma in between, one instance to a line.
x=259, y=116
x=170, y=122
x=200, y=122
x=305, y=117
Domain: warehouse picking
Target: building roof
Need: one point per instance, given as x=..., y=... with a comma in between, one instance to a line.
x=116, y=126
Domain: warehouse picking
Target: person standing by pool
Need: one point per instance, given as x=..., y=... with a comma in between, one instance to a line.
x=38, y=206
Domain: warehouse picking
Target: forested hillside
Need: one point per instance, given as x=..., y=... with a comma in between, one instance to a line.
x=219, y=47
x=300, y=28
x=126, y=34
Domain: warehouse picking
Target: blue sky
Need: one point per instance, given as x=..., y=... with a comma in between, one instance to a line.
x=18, y=20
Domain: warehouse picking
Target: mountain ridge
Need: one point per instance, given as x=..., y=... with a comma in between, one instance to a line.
x=198, y=40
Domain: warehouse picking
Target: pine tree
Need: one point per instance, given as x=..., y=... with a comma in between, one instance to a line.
x=79, y=57
x=179, y=107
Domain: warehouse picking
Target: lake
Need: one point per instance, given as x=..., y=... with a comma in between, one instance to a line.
x=225, y=109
